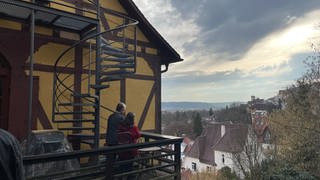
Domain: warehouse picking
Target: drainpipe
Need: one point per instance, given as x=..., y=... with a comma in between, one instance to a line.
x=97, y=76
x=166, y=69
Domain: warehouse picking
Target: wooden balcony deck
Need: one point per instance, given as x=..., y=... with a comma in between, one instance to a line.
x=161, y=161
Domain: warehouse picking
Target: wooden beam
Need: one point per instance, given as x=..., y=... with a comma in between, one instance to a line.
x=147, y=106
x=43, y=118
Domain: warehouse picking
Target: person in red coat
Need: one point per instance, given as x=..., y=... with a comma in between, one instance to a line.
x=128, y=133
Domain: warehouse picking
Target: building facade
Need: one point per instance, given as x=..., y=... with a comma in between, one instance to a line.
x=60, y=24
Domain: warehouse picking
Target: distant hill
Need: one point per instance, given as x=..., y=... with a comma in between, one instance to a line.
x=179, y=106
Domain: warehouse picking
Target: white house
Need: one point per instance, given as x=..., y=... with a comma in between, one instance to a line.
x=232, y=141
x=215, y=147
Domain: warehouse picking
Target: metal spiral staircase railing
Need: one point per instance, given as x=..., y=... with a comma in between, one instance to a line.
x=75, y=108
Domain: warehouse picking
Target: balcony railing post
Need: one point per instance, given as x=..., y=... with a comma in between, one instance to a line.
x=146, y=139
x=111, y=158
x=177, y=156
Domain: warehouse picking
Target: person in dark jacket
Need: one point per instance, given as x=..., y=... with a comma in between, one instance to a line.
x=112, y=139
x=113, y=123
x=11, y=166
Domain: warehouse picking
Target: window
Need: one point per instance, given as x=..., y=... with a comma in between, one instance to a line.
x=267, y=137
x=223, y=158
x=208, y=168
x=194, y=166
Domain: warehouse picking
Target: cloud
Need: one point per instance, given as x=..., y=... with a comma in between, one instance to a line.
x=234, y=85
x=232, y=27
x=271, y=71
x=272, y=50
x=169, y=22
x=231, y=49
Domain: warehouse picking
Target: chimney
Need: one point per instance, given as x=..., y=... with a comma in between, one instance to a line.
x=223, y=130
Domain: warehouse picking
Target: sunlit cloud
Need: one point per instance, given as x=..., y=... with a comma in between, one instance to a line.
x=274, y=49
x=244, y=54
x=169, y=22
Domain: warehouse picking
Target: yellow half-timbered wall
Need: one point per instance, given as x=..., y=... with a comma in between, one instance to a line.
x=141, y=92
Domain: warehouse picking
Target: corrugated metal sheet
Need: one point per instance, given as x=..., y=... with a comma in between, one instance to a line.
x=14, y=11
x=23, y=13
x=70, y=23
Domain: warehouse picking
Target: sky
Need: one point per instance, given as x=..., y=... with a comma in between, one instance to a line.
x=234, y=49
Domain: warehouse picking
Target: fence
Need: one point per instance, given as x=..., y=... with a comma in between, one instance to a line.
x=158, y=158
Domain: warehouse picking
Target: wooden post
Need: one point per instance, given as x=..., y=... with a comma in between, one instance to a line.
x=177, y=159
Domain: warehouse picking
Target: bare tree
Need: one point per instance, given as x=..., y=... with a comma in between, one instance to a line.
x=249, y=159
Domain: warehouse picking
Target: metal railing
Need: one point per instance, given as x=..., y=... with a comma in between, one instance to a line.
x=158, y=158
x=73, y=105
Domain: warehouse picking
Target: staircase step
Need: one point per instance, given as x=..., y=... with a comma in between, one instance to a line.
x=105, y=41
x=124, y=60
x=77, y=104
x=74, y=112
x=108, y=47
x=116, y=54
x=89, y=142
x=81, y=136
x=74, y=120
x=116, y=72
x=96, y=86
x=76, y=128
x=110, y=78
x=118, y=66
x=85, y=96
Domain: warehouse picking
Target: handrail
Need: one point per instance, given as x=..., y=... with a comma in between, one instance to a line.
x=63, y=87
x=167, y=160
x=111, y=11
x=83, y=153
x=83, y=40
x=56, y=74
x=103, y=150
x=158, y=136
x=92, y=36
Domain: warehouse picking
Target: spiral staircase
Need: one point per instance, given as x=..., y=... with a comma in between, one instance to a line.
x=77, y=82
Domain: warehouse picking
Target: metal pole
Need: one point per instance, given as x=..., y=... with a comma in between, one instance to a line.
x=32, y=24
x=135, y=49
x=54, y=90
x=124, y=35
x=97, y=76
x=89, y=72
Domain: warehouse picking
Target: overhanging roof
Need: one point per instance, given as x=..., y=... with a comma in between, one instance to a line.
x=45, y=15
x=56, y=18
x=170, y=55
